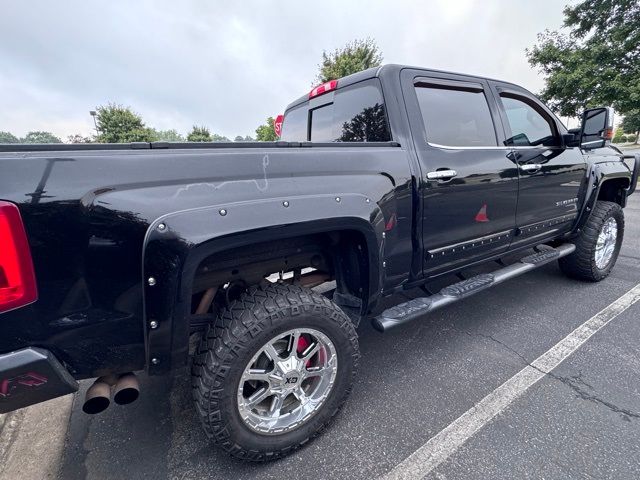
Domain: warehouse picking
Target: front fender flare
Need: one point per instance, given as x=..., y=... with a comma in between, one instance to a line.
x=597, y=175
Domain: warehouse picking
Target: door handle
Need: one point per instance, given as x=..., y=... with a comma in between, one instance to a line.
x=530, y=167
x=441, y=174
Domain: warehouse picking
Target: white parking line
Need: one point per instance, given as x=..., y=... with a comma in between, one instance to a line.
x=440, y=447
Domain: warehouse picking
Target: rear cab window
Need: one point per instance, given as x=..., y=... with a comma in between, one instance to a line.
x=355, y=113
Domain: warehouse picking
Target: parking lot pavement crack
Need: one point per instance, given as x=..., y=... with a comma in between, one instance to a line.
x=575, y=382
x=499, y=342
x=632, y=257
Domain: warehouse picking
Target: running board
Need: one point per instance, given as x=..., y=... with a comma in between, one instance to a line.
x=413, y=309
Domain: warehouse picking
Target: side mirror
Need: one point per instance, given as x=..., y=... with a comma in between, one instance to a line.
x=597, y=128
x=572, y=137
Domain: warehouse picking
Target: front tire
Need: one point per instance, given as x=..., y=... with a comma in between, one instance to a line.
x=598, y=245
x=273, y=370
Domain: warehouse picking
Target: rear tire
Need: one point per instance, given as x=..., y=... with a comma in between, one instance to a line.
x=597, y=248
x=240, y=338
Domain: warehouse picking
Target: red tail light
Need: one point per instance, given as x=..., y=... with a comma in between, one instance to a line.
x=17, y=278
x=324, y=88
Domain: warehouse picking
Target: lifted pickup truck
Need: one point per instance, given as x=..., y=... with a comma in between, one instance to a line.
x=265, y=256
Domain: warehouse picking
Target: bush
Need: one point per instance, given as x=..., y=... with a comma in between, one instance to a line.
x=631, y=137
x=199, y=134
x=617, y=138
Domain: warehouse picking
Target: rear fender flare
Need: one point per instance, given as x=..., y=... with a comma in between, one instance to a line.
x=176, y=243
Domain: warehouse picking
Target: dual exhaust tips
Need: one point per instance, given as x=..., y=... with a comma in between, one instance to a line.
x=126, y=389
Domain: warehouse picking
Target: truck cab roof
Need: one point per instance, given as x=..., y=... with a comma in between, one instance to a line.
x=391, y=70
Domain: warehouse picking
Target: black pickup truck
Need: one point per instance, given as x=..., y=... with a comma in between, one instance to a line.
x=255, y=262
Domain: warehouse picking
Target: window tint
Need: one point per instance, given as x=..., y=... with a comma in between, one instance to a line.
x=456, y=117
x=322, y=123
x=294, y=127
x=529, y=126
x=357, y=114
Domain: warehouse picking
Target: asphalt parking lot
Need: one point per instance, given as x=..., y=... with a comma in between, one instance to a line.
x=582, y=420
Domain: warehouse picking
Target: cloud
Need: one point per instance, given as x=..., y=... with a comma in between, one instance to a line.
x=230, y=65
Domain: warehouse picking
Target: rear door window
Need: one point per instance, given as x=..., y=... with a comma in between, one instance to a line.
x=356, y=114
x=456, y=116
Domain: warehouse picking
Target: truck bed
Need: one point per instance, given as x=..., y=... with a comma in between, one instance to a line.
x=87, y=209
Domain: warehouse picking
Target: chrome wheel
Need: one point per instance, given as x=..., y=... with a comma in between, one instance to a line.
x=287, y=381
x=606, y=243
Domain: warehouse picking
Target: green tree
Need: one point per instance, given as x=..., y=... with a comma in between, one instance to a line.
x=40, y=137
x=7, y=137
x=353, y=57
x=77, y=138
x=168, y=136
x=594, y=60
x=118, y=124
x=199, y=134
x=239, y=138
x=631, y=124
x=219, y=138
x=266, y=132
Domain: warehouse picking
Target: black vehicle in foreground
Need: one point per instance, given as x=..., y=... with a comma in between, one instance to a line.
x=264, y=257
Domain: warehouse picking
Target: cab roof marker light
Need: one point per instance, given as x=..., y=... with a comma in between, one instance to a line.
x=324, y=88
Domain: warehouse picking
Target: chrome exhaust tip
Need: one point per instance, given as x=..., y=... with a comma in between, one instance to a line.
x=127, y=389
x=98, y=396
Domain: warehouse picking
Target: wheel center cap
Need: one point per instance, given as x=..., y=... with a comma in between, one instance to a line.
x=291, y=380
x=291, y=373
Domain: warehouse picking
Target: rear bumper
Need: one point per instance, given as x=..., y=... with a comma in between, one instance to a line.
x=32, y=375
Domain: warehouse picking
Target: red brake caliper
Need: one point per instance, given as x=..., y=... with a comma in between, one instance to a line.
x=303, y=343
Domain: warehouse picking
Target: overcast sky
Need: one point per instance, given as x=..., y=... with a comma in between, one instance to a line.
x=229, y=65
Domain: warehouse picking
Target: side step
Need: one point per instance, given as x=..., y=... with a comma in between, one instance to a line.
x=413, y=309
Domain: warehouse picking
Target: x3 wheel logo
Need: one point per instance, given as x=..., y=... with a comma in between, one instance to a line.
x=291, y=380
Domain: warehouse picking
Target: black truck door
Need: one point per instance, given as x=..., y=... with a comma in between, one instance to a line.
x=551, y=174
x=468, y=186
